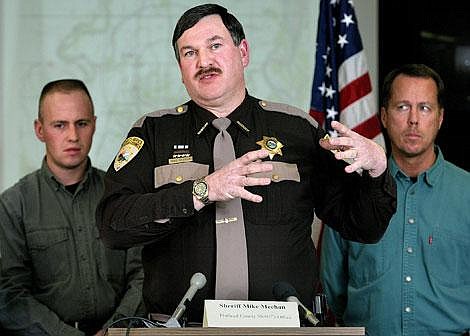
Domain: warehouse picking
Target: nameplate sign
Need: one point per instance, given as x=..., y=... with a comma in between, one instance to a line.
x=232, y=313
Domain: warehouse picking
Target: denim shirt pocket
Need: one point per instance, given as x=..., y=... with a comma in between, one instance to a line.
x=50, y=254
x=369, y=262
x=447, y=254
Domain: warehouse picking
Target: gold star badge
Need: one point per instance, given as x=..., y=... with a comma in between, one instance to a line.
x=272, y=145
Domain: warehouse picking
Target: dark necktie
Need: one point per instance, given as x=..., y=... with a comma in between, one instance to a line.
x=232, y=262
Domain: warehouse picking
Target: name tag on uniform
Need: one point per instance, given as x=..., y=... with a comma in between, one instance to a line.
x=232, y=313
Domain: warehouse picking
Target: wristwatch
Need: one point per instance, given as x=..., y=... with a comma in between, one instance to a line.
x=201, y=190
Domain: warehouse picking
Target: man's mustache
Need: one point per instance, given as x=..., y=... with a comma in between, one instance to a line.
x=207, y=71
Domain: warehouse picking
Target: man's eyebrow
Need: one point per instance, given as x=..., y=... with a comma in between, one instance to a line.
x=58, y=121
x=186, y=47
x=215, y=37
x=70, y=121
x=424, y=102
x=427, y=102
x=209, y=40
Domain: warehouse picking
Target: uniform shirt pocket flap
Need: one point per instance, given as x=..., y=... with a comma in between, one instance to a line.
x=179, y=173
x=282, y=171
x=41, y=240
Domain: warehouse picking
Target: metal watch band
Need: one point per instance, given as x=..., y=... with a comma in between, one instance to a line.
x=204, y=198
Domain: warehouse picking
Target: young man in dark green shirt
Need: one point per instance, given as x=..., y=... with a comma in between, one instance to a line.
x=57, y=278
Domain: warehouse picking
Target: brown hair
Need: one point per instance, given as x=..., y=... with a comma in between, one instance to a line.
x=63, y=85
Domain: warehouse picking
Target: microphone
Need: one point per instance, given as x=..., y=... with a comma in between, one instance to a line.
x=198, y=280
x=283, y=291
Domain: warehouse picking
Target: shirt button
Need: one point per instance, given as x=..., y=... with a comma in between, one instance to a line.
x=409, y=249
x=411, y=220
x=408, y=309
x=179, y=178
x=408, y=278
x=275, y=177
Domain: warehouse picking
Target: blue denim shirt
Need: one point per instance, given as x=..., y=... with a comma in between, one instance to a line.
x=416, y=280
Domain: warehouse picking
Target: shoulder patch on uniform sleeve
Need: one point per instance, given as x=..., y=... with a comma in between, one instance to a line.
x=129, y=149
x=287, y=109
x=160, y=113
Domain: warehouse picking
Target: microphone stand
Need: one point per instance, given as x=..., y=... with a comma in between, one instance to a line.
x=172, y=323
x=182, y=320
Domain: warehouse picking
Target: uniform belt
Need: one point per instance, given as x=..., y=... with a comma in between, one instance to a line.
x=89, y=327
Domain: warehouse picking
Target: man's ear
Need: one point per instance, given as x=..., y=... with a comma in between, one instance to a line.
x=38, y=129
x=382, y=117
x=441, y=117
x=244, y=52
x=94, y=124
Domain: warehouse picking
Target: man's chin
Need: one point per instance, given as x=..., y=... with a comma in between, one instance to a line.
x=73, y=164
x=412, y=152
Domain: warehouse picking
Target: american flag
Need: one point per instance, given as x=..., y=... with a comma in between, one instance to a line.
x=342, y=87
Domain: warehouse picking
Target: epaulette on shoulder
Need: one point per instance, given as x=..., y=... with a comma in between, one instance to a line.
x=160, y=113
x=288, y=109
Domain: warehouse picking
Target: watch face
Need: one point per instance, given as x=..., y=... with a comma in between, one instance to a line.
x=200, y=188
